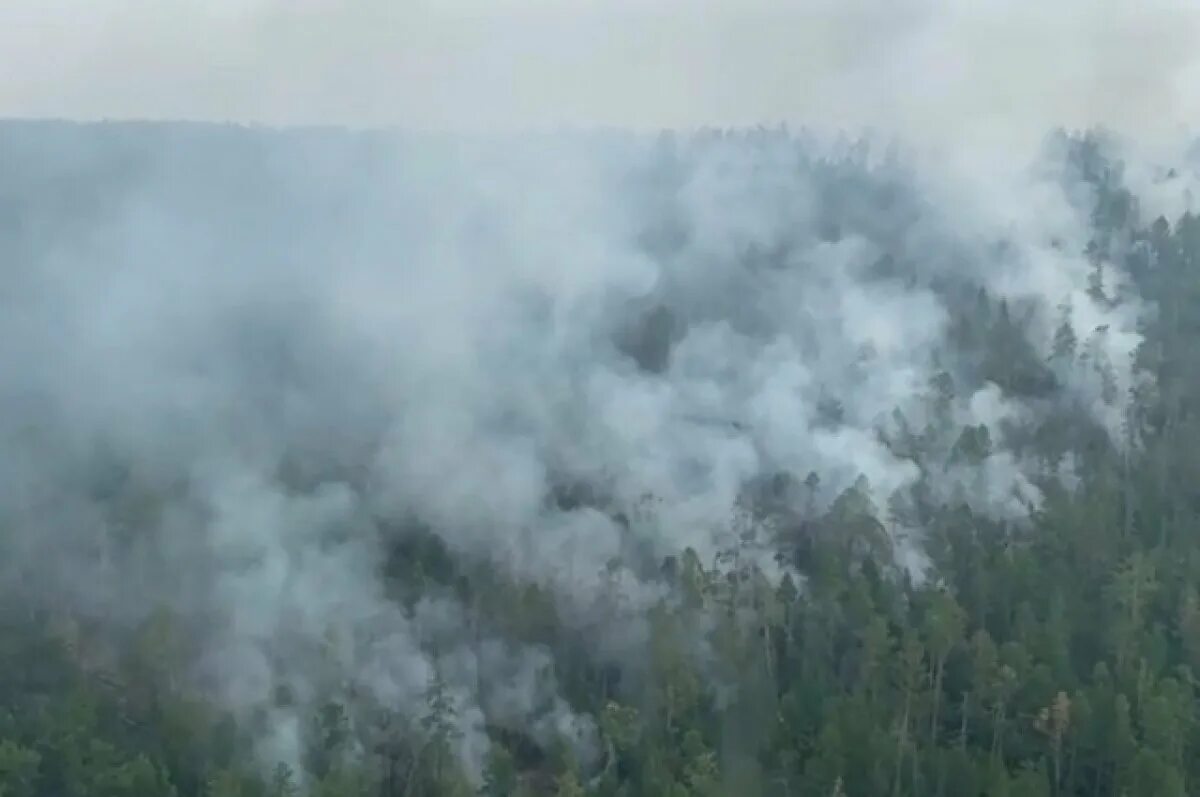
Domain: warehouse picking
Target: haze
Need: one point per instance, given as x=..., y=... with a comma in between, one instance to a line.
x=923, y=67
x=814, y=456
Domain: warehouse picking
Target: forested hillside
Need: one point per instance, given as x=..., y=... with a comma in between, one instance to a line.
x=736, y=463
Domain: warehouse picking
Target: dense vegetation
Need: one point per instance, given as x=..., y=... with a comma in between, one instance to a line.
x=1051, y=655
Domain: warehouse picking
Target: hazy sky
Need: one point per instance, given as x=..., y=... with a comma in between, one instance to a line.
x=915, y=65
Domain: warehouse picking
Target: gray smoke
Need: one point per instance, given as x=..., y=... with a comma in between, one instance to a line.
x=239, y=367
x=239, y=364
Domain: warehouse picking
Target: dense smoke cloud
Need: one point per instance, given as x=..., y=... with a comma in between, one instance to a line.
x=241, y=367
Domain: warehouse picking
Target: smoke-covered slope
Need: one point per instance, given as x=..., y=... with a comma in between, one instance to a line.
x=334, y=402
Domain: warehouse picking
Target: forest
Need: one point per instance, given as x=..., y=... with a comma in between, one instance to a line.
x=726, y=463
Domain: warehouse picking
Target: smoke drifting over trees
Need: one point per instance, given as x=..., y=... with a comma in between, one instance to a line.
x=608, y=461
x=326, y=398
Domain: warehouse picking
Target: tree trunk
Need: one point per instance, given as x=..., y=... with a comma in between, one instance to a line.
x=770, y=655
x=1072, y=758
x=939, y=668
x=902, y=739
x=997, y=723
x=962, y=728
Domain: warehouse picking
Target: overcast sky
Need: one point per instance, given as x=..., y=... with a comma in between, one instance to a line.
x=912, y=65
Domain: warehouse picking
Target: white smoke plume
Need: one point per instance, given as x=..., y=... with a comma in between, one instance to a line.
x=248, y=353
x=238, y=365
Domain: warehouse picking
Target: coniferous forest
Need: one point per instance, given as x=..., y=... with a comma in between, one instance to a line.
x=728, y=463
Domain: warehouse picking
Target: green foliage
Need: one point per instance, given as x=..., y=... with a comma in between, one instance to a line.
x=18, y=770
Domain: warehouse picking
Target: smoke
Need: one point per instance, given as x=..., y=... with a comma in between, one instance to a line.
x=239, y=364
x=242, y=366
